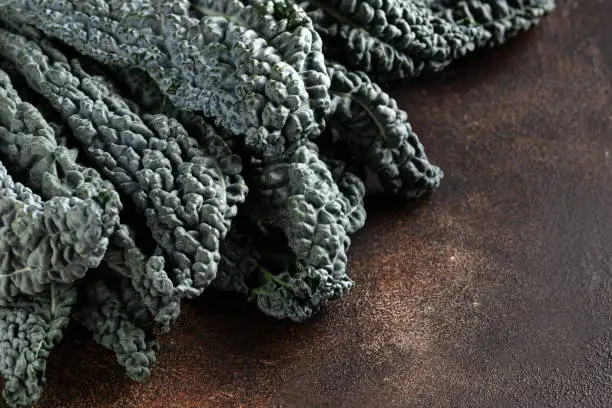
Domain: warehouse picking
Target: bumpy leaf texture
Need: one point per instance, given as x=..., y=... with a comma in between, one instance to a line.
x=42, y=242
x=30, y=146
x=367, y=123
x=154, y=288
x=353, y=191
x=258, y=260
x=119, y=323
x=223, y=62
x=501, y=20
x=182, y=192
x=301, y=198
x=148, y=98
x=30, y=327
x=393, y=39
x=313, y=284
x=389, y=39
x=29, y=143
x=286, y=27
x=279, y=111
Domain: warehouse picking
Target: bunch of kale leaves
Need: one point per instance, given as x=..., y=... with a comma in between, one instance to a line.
x=239, y=133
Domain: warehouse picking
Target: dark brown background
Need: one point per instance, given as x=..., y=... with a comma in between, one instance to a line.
x=495, y=292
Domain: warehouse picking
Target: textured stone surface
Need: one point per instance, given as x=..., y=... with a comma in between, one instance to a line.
x=495, y=292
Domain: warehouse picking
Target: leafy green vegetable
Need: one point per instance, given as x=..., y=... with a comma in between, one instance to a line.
x=389, y=39
x=112, y=316
x=370, y=125
x=395, y=39
x=219, y=63
x=42, y=242
x=30, y=145
x=182, y=108
x=181, y=191
x=501, y=20
x=30, y=327
x=296, y=261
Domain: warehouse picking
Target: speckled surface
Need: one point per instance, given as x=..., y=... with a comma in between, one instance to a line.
x=495, y=292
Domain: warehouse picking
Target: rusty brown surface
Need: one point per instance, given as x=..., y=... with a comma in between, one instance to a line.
x=495, y=292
